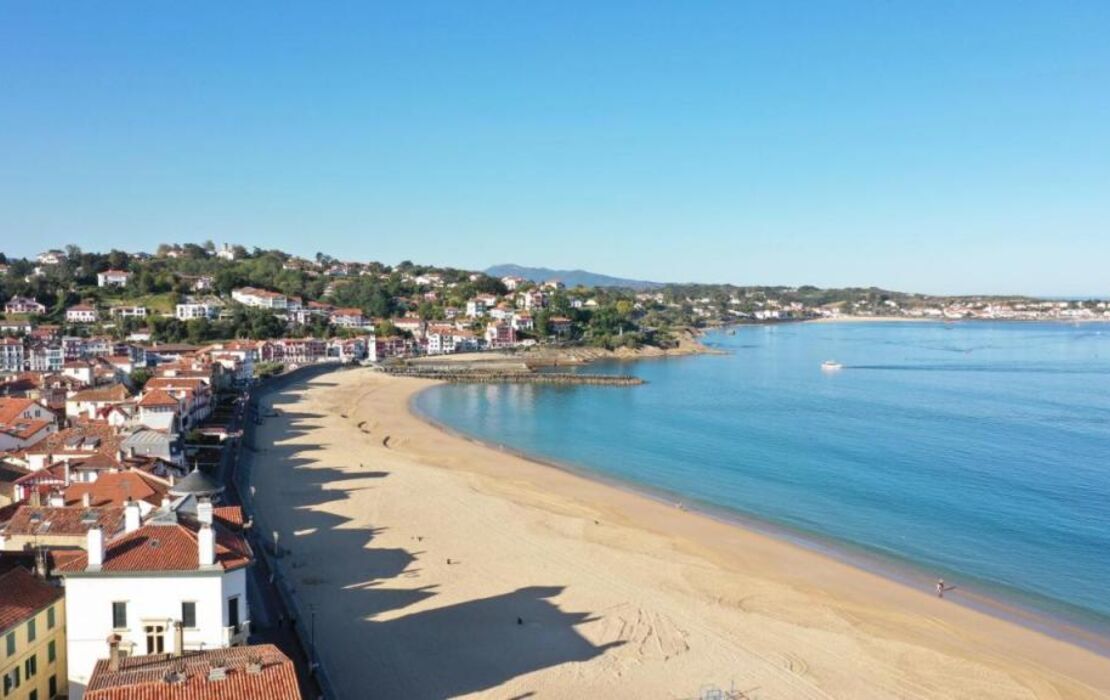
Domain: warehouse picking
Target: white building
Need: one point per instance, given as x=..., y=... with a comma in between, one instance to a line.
x=81, y=313
x=226, y=252
x=191, y=309
x=52, y=257
x=11, y=355
x=129, y=311
x=261, y=298
x=23, y=305
x=113, y=278
x=176, y=582
x=46, y=358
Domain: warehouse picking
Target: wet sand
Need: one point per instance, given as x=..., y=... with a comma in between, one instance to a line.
x=441, y=567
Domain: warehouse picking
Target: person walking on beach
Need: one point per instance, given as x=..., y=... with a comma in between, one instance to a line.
x=940, y=588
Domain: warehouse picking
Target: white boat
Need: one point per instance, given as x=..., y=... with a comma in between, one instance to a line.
x=831, y=365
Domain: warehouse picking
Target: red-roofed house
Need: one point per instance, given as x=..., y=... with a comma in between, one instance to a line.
x=197, y=565
x=259, y=671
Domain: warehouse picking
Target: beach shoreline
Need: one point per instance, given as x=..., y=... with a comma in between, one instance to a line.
x=730, y=597
x=899, y=571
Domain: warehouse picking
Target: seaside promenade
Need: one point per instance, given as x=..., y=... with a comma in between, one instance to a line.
x=437, y=567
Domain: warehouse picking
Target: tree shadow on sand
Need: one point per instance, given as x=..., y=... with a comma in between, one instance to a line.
x=359, y=593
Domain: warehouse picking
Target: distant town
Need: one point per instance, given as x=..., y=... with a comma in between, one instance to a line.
x=68, y=305
x=125, y=402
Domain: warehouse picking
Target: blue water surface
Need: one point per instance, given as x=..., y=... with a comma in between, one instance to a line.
x=978, y=451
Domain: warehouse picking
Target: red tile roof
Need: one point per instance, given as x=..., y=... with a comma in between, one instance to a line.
x=49, y=520
x=116, y=392
x=158, y=397
x=165, y=547
x=146, y=677
x=24, y=596
x=114, y=488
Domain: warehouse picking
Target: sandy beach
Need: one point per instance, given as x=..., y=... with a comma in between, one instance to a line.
x=439, y=567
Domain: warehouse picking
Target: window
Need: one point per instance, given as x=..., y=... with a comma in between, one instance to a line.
x=31, y=631
x=50, y=618
x=119, y=615
x=11, y=680
x=189, y=614
x=233, y=612
x=52, y=688
x=155, y=639
x=31, y=666
x=33, y=695
x=11, y=643
x=51, y=652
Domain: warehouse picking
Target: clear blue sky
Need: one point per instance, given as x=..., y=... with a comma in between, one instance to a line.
x=929, y=146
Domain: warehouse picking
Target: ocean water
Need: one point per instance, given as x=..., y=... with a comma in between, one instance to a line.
x=975, y=451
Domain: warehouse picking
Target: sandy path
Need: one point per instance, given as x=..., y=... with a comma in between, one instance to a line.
x=617, y=596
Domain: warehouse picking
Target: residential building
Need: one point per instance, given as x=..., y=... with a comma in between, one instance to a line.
x=260, y=298
x=51, y=257
x=198, y=568
x=125, y=311
x=500, y=335
x=24, y=422
x=81, y=313
x=32, y=634
x=195, y=308
x=45, y=358
x=11, y=355
x=23, y=305
x=256, y=671
x=112, y=278
x=348, y=318
x=89, y=402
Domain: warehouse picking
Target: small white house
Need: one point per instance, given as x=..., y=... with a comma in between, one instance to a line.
x=81, y=313
x=113, y=278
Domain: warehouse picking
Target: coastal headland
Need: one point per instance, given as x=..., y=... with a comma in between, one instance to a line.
x=440, y=567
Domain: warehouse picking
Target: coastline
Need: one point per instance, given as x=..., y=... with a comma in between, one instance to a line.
x=897, y=570
x=800, y=623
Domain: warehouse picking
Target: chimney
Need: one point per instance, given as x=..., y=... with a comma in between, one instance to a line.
x=204, y=511
x=86, y=499
x=131, y=519
x=36, y=498
x=165, y=503
x=178, y=638
x=206, y=546
x=95, y=546
x=42, y=563
x=113, y=652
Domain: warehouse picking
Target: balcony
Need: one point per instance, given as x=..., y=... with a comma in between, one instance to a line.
x=236, y=635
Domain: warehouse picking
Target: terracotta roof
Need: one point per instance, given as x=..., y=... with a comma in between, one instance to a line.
x=98, y=437
x=52, y=520
x=24, y=429
x=24, y=596
x=114, y=488
x=146, y=677
x=229, y=516
x=165, y=547
x=10, y=408
x=116, y=392
x=158, y=397
x=175, y=383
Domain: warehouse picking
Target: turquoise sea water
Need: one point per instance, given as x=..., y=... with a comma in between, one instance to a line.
x=975, y=451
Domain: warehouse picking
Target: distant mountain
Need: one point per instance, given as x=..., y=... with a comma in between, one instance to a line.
x=571, y=278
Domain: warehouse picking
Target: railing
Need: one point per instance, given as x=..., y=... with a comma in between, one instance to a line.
x=234, y=635
x=261, y=542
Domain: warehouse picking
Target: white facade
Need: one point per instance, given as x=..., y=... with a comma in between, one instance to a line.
x=185, y=312
x=129, y=311
x=112, y=278
x=152, y=601
x=249, y=296
x=11, y=355
x=81, y=314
